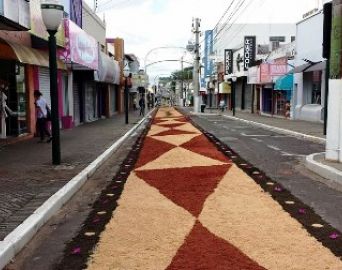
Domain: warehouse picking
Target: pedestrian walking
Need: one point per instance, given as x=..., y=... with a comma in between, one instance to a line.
x=142, y=106
x=43, y=116
x=135, y=106
x=222, y=105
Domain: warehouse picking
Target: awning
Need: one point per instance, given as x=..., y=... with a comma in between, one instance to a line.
x=301, y=68
x=317, y=67
x=225, y=88
x=26, y=55
x=284, y=83
x=107, y=72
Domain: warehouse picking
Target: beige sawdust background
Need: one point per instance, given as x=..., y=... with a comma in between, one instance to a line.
x=242, y=213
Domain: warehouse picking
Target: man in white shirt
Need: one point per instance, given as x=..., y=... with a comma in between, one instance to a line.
x=42, y=114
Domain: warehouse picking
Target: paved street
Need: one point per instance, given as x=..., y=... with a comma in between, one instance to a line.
x=170, y=219
x=27, y=177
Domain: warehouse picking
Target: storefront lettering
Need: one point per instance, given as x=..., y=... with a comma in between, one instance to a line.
x=249, y=52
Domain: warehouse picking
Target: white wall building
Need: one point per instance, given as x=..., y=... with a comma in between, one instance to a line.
x=309, y=79
x=268, y=37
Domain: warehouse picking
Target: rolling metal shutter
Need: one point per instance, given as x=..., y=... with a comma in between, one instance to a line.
x=112, y=99
x=44, y=84
x=238, y=95
x=248, y=97
x=90, y=102
x=76, y=95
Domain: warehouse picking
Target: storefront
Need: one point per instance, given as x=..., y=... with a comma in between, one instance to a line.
x=283, y=93
x=20, y=74
x=81, y=54
x=225, y=91
x=107, y=78
x=269, y=74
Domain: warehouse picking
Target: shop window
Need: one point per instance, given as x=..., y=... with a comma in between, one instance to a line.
x=275, y=45
x=316, y=87
x=316, y=93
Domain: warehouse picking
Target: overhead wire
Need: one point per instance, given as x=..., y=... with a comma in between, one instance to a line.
x=239, y=5
x=243, y=25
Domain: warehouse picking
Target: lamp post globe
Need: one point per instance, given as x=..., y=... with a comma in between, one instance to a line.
x=52, y=14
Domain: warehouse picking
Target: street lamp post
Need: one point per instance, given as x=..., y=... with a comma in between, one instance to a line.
x=52, y=14
x=127, y=76
x=234, y=79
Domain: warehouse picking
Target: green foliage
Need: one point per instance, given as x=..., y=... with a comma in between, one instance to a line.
x=185, y=74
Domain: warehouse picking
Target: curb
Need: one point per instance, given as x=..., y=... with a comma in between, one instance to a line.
x=332, y=176
x=19, y=237
x=280, y=130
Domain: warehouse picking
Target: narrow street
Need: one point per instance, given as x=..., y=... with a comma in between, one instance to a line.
x=192, y=202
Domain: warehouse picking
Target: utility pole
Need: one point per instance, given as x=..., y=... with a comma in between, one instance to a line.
x=196, y=64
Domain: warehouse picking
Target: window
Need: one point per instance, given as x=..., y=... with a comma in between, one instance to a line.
x=316, y=87
x=293, y=38
x=277, y=39
x=275, y=45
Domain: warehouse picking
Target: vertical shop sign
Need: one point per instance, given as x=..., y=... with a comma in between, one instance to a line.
x=208, y=50
x=228, y=61
x=249, y=51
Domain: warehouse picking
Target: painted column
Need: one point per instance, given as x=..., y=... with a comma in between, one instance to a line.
x=298, y=78
x=323, y=87
x=334, y=128
x=71, y=94
x=31, y=108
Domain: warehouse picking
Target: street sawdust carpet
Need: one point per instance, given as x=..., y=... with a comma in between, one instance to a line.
x=186, y=205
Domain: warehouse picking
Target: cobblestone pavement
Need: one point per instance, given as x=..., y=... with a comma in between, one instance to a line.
x=28, y=179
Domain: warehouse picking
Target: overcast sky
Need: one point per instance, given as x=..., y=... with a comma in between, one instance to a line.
x=147, y=24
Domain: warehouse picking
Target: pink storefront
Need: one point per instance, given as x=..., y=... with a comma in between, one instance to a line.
x=81, y=54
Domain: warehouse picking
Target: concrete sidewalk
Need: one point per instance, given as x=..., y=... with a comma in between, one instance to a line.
x=305, y=127
x=27, y=177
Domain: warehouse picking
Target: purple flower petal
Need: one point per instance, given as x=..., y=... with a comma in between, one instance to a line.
x=96, y=220
x=76, y=251
x=334, y=236
x=278, y=189
x=105, y=202
x=302, y=211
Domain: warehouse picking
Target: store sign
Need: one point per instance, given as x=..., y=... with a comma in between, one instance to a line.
x=249, y=51
x=253, y=75
x=208, y=50
x=80, y=47
x=38, y=27
x=17, y=11
x=228, y=61
x=106, y=71
x=270, y=72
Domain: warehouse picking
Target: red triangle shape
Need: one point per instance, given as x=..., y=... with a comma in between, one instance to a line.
x=157, y=121
x=173, y=132
x=203, y=250
x=182, y=119
x=201, y=145
x=171, y=125
x=186, y=187
x=151, y=150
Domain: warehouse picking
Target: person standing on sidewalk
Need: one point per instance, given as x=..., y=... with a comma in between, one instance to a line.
x=142, y=106
x=42, y=116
